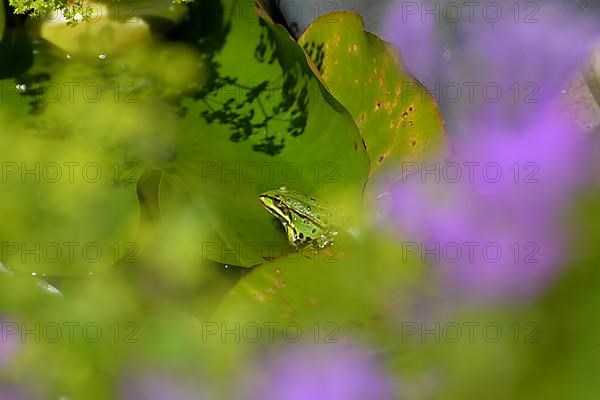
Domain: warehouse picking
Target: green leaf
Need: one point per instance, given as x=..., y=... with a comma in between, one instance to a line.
x=7, y=275
x=263, y=120
x=352, y=286
x=398, y=119
x=2, y=19
x=255, y=117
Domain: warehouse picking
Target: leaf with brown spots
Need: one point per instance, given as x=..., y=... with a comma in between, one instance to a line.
x=344, y=288
x=398, y=119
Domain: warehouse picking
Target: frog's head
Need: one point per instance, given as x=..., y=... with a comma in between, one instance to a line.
x=275, y=201
x=299, y=214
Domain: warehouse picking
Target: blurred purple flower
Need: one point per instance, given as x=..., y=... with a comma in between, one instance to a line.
x=539, y=153
x=319, y=372
x=510, y=197
x=9, y=343
x=510, y=68
x=416, y=39
x=157, y=385
x=11, y=392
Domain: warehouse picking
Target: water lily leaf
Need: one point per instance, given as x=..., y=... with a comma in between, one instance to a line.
x=398, y=119
x=262, y=120
x=320, y=288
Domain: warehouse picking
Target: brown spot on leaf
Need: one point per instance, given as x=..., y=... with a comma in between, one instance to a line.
x=361, y=118
x=258, y=295
x=375, y=317
x=279, y=283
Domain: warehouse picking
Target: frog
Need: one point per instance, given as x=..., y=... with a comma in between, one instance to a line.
x=307, y=221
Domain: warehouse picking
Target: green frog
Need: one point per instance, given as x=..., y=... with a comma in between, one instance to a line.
x=306, y=220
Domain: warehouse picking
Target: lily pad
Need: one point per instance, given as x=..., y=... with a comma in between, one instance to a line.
x=263, y=120
x=237, y=132
x=348, y=290
x=398, y=118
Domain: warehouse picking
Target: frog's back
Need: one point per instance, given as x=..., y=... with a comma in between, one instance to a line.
x=308, y=205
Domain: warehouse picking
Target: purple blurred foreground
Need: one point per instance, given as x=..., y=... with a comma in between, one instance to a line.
x=9, y=343
x=160, y=385
x=13, y=393
x=492, y=215
x=294, y=372
x=318, y=372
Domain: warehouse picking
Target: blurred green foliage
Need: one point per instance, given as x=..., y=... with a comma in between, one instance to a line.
x=165, y=119
x=83, y=11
